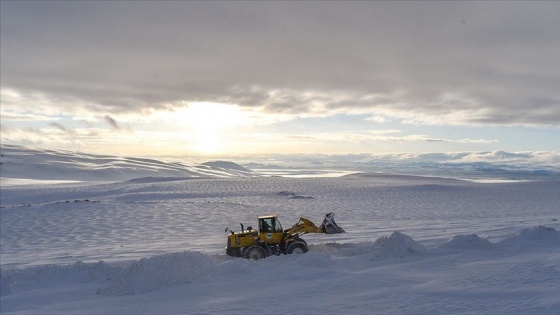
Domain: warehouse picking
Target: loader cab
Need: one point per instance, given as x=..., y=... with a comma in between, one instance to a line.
x=270, y=229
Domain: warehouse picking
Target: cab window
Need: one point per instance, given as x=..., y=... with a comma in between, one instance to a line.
x=278, y=226
x=270, y=225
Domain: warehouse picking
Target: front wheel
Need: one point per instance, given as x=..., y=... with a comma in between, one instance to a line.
x=254, y=252
x=297, y=248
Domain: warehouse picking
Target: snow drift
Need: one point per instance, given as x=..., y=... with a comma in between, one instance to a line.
x=466, y=242
x=397, y=245
x=19, y=280
x=538, y=233
x=150, y=274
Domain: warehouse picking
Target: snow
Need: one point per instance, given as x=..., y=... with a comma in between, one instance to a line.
x=397, y=245
x=466, y=242
x=38, y=164
x=149, y=274
x=149, y=240
x=227, y=165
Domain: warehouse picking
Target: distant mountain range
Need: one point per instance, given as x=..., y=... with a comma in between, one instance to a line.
x=19, y=162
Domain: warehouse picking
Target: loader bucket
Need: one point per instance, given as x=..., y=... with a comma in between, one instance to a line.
x=329, y=226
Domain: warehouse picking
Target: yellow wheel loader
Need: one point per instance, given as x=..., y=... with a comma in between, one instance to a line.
x=271, y=239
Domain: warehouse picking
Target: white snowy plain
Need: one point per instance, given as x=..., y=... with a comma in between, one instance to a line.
x=80, y=236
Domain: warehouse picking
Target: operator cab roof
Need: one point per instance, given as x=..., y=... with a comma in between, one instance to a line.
x=267, y=216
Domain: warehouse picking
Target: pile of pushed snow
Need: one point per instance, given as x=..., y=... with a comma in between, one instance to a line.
x=471, y=241
x=397, y=245
x=145, y=275
x=149, y=274
x=539, y=234
x=536, y=233
x=16, y=280
x=344, y=250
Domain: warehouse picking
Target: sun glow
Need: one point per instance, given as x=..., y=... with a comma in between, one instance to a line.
x=209, y=125
x=208, y=143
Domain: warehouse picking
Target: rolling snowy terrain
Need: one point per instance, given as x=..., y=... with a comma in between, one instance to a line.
x=83, y=234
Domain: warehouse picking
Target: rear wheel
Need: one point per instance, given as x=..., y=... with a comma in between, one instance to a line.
x=297, y=248
x=254, y=252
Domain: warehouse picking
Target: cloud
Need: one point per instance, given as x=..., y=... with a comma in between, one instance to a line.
x=367, y=137
x=40, y=136
x=114, y=125
x=526, y=159
x=463, y=63
x=376, y=118
x=23, y=117
x=112, y=122
x=62, y=128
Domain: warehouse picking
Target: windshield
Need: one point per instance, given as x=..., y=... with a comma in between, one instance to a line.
x=271, y=225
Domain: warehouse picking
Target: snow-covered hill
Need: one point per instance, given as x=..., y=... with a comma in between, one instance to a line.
x=38, y=164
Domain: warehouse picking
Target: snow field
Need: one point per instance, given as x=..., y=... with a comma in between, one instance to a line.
x=148, y=239
x=141, y=218
x=393, y=274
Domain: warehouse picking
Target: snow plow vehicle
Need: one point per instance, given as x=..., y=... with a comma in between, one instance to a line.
x=270, y=239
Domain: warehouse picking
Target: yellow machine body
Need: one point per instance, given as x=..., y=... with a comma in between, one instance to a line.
x=272, y=239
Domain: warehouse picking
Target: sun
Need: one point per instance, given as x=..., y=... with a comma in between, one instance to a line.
x=209, y=124
x=208, y=143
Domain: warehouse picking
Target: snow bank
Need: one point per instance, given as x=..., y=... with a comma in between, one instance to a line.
x=537, y=233
x=400, y=245
x=17, y=280
x=397, y=245
x=149, y=274
x=343, y=250
x=145, y=275
x=530, y=236
x=465, y=242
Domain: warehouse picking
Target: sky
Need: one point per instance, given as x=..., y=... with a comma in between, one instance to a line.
x=223, y=79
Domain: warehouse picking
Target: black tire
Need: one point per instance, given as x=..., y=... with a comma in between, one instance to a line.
x=255, y=252
x=297, y=248
x=298, y=239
